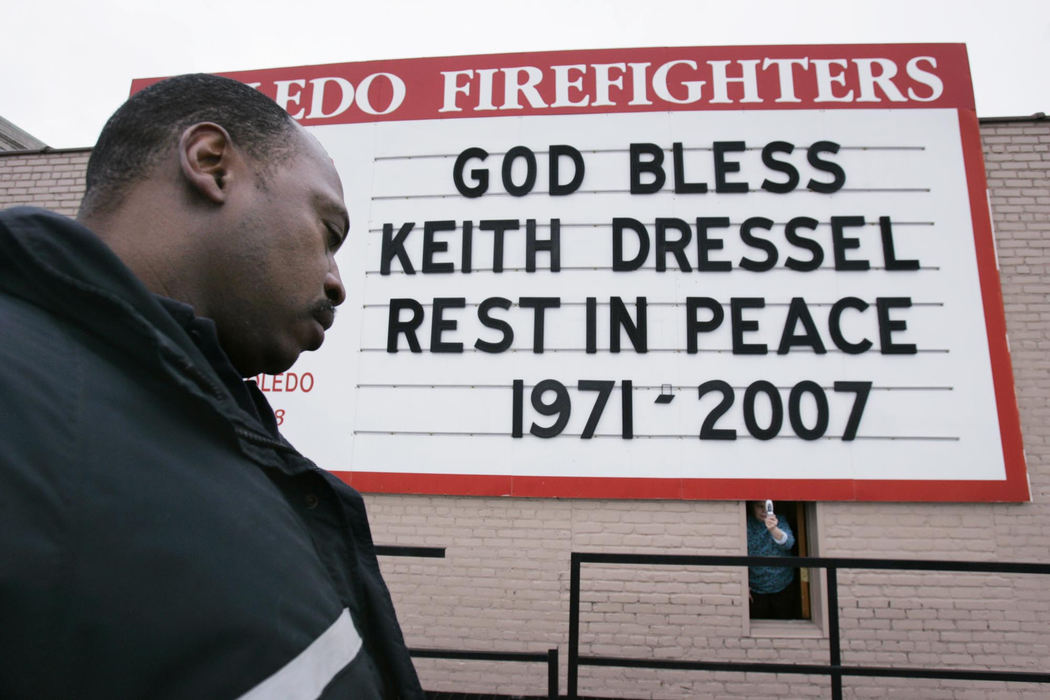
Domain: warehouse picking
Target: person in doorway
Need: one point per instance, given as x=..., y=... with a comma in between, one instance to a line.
x=773, y=590
x=158, y=536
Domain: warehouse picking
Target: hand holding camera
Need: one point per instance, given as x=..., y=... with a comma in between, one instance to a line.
x=770, y=519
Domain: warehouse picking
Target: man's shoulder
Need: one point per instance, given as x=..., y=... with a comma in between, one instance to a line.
x=42, y=233
x=24, y=219
x=63, y=267
x=43, y=244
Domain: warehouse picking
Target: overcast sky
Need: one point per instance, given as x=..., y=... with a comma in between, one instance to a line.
x=67, y=65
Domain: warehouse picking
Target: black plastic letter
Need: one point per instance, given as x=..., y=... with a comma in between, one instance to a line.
x=439, y=324
x=809, y=338
x=653, y=166
x=888, y=325
x=779, y=166
x=394, y=246
x=759, y=222
x=481, y=176
x=742, y=325
x=675, y=247
x=839, y=175
x=396, y=326
x=618, y=226
x=680, y=185
x=694, y=326
x=816, y=252
x=722, y=166
x=485, y=316
x=557, y=189
x=525, y=187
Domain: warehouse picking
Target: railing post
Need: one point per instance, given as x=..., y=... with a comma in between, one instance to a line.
x=574, y=626
x=552, y=674
x=834, y=643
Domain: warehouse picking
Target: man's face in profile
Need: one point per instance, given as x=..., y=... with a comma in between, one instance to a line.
x=278, y=279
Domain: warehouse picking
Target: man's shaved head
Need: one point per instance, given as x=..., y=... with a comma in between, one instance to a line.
x=151, y=122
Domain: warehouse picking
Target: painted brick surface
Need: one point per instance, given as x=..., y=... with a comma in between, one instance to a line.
x=504, y=582
x=52, y=180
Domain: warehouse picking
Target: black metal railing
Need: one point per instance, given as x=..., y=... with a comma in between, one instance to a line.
x=550, y=657
x=834, y=668
x=392, y=550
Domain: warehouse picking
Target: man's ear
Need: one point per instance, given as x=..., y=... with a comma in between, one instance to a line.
x=206, y=156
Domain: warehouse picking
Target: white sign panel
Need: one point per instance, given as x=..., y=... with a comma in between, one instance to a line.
x=675, y=273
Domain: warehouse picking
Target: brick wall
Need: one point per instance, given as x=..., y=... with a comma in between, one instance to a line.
x=504, y=583
x=53, y=179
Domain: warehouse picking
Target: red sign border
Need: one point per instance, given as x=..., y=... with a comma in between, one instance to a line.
x=423, y=80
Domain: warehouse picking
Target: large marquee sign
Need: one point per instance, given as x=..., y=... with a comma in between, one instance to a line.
x=687, y=273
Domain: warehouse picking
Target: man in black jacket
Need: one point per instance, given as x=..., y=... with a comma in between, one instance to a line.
x=158, y=537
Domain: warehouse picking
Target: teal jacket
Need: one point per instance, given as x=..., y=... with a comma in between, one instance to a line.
x=768, y=579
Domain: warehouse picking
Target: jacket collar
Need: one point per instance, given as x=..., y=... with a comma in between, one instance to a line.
x=60, y=265
x=204, y=335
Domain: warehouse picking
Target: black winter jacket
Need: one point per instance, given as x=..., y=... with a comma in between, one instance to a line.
x=156, y=539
